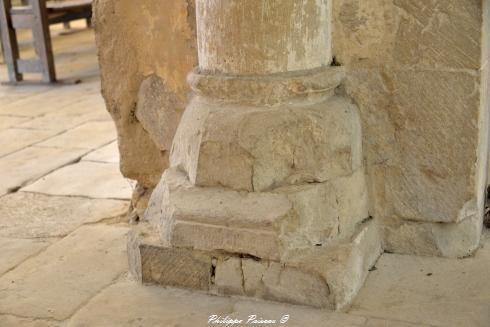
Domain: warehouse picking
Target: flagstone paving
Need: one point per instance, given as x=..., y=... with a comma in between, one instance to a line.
x=63, y=226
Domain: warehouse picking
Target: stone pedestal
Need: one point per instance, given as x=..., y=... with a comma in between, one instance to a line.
x=266, y=194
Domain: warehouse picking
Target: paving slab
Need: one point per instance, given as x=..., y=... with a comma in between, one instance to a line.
x=14, y=251
x=434, y=291
x=27, y=165
x=86, y=178
x=297, y=316
x=12, y=121
x=56, y=98
x=31, y=215
x=373, y=322
x=91, y=135
x=108, y=153
x=66, y=275
x=11, y=321
x=14, y=139
x=130, y=304
x=68, y=118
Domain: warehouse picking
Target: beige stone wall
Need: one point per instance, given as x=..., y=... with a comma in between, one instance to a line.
x=415, y=71
x=150, y=41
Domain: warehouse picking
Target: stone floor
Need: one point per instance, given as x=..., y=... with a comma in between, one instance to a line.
x=63, y=227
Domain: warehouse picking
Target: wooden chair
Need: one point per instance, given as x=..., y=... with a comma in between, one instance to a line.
x=37, y=16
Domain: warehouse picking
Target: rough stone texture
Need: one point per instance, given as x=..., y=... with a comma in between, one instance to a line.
x=418, y=71
x=325, y=277
x=229, y=276
x=259, y=224
x=159, y=110
x=78, y=180
x=258, y=149
x=30, y=215
x=28, y=290
x=415, y=70
x=287, y=35
x=129, y=52
x=149, y=262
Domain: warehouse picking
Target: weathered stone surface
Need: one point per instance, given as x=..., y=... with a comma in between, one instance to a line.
x=414, y=69
x=33, y=162
x=291, y=285
x=257, y=149
x=12, y=321
x=127, y=304
x=420, y=34
x=181, y=201
x=431, y=239
x=78, y=180
x=159, y=111
x=30, y=215
x=91, y=135
x=262, y=244
x=19, y=138
x=229, y=276
x=345, y=266
x=433, y=291
x=323, y=213
x=287, y=35
x=66, y=268
x=15, y=251
x=317, y=276
x=259, y=224
x=108, y=153
x=128, y=54
x=150, y=262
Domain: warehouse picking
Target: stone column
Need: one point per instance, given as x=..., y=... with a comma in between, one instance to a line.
x=266, y=193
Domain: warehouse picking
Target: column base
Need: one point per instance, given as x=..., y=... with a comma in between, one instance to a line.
x=323, y=277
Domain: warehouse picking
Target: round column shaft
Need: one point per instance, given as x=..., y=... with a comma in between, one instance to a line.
x=257, y=37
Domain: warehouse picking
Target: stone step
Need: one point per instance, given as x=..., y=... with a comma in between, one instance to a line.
x=325, y=277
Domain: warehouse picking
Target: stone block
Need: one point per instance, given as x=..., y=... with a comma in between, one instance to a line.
x=150, y=262
x=344, y=266
x=324, y=277
x=259, y=149
x=253, y=242
x=229, y=276
x=159, y=110
x=323, y=213
x=454, y=240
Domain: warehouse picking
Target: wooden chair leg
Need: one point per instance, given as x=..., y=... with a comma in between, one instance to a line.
x=9, y=41
x=42, y=40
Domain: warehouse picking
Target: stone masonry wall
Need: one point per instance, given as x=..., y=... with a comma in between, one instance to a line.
x=414, y=68
x=146, y=48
